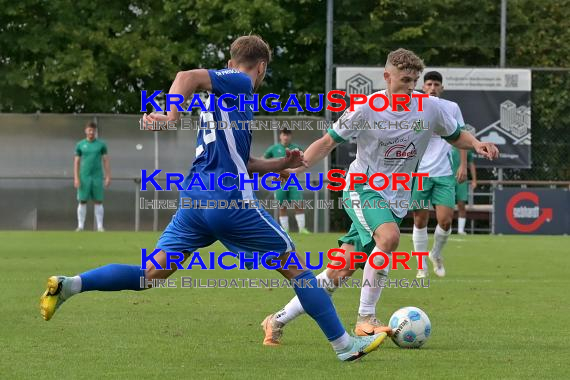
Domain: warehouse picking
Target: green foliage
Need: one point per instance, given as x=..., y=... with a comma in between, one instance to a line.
x=96, y=57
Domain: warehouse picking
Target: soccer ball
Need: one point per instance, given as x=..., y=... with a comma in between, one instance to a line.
x=411, y=327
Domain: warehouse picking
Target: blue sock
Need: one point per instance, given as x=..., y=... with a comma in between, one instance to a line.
x=318, y=305
x=112, y=277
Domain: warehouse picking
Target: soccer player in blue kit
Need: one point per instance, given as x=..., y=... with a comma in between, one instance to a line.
x=246, y=230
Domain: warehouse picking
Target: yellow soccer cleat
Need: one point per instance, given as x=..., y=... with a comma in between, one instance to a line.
x=361, y=346
x=368, y=325
x=52, y=298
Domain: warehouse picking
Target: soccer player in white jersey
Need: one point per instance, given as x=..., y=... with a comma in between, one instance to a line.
x=389, y=149
x=439, y=187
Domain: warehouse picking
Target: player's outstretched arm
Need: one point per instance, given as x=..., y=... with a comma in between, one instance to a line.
x=293, y=159
x=186, y=83
x=317, y=151
x=468, y=141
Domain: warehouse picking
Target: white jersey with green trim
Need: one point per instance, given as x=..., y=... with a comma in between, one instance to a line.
x=392, y=142
x=437, y=158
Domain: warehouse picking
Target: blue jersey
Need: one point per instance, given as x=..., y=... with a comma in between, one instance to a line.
x=221, y=150
x=218, y=151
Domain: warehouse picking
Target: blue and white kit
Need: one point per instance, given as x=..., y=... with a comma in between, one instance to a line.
x=219, y=151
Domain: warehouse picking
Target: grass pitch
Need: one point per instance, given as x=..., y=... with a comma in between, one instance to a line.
x=502, y=312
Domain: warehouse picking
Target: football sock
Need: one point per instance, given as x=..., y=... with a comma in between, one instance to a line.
x=461, y=225
x=284, y=221
x=112, y=277
x=342, y=344
x=300, y=220
x=70, y=287
x=318, y=305
x=81, y=214
x=99, y=215
x=370, y=295
x=420, y=239
x=293, y=309
x=440, y=238
x=326, y=282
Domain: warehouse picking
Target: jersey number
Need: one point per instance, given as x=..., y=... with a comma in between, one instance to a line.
x=208, y=135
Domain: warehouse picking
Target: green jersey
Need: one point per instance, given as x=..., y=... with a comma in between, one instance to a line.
x=91, y=153
x=278, y=150
x=456, y=159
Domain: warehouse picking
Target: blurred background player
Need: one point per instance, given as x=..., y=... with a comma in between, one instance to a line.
x=249, y=231
x=91, y=174
x=462, y=189
x=439, y=187
x=293, y=194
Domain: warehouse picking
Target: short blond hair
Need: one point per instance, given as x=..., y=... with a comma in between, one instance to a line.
x=406, y=60
x=249, y=50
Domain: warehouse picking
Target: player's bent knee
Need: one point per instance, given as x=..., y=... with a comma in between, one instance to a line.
x=393, y=243
x=388, y=239
x=444, y=216
x=152, y=273
x=292, y=271
x=388, y=243
x=445, y=223
x=421, y=218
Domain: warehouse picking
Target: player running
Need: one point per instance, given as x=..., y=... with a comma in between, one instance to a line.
x=439, y=188
x=251, y=229
x=395, y=150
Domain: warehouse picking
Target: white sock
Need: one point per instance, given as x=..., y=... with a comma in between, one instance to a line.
x=284, y=221
x=370, y=295
x=300, y=220
x=99, y=215
x=81, y=214
x=326, y=282
x=342, y=344
x=293, y=309
x=420, y=239
x=461, y=224
x=71, y=286
x=440, y=238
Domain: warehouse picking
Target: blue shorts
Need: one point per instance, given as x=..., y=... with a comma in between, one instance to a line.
x=240, y=230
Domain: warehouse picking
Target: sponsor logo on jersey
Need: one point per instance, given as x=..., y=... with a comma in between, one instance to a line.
x=227, y=71
x=398, y=140
x=401, y=152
